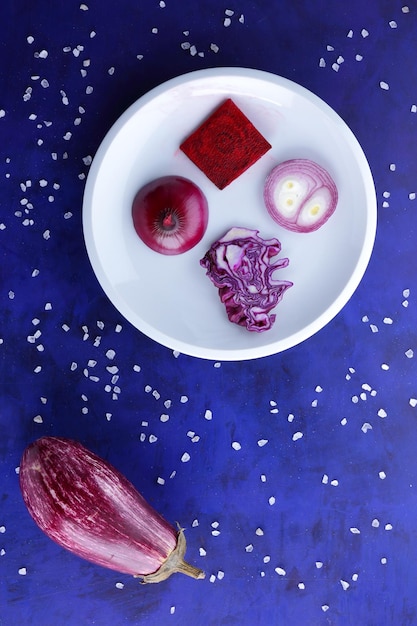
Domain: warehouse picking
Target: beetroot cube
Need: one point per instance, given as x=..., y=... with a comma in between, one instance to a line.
x=225, y=145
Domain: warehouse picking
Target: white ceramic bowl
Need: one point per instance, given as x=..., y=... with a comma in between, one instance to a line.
x=169, y=298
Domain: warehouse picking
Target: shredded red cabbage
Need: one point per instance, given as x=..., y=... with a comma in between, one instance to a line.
x=239, y=265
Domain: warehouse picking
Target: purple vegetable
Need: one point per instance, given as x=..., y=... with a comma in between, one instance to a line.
x=170, y=214
x=239, y=265
x=300, y=195
x=86, y=506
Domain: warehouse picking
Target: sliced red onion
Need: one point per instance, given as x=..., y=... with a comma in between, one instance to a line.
x=170, y=214
x=240, y=266
x=86, y=506
x=300, y=195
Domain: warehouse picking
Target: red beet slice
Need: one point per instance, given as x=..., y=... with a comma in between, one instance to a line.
x=225, y=145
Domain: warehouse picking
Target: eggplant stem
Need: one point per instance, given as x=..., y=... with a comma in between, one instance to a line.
x=174, y=563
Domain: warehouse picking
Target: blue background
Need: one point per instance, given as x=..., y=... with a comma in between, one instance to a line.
x=331, y=388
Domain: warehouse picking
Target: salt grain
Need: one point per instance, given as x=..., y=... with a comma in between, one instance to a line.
x=382, y=475
x=185, y=457
x=384, y=85
x=262, y=442
x=382, y=413
x=364, y=32
x=208, y=415
x=297, y=436
x=355, y=531
x=271, y=501
x=375, y=523
x=409, y=354
x=345, y=585
x=280, y=571
x=413, y=402
x=22, y=571
x=236, y=445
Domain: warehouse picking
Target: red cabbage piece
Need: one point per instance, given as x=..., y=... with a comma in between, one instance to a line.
x=240, y=266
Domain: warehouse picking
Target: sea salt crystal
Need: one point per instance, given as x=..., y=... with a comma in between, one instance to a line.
x=373, y=328
x=208, y=415
x=413, y=402
x=183, y=399
x=382, y=413
x=375, y=523
x=388, y=526
x=202, y=552
x=364, y=32
x=262, y=442
x=334, y=483
x=365, y=427
x=119, y=586
x=185, y=457
x=358, y=57
x=409, y=354
x=384, y=85
x=280, y=571
x=227, y=21
x=325, y=479
x=322, y=62
x=164, y=417
x=345, y=585
x=393, y=24
x=271, y=500
x=383, y=560
x=387, y=320
x=319, y=564
x=236, y=445
x=382, y=475
x=220, y=575
x=297, y=436
x=259, y=532
x=212, y=578
x=343, y=421
x=249, y=548
x=412, y=196
x=325, y=607
x=301, y=586
x=355, y=531
x=22, y=571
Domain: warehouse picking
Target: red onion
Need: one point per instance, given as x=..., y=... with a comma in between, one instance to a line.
x=239, y=265
x=170, y=214
x=300, y=195
x=86, y=506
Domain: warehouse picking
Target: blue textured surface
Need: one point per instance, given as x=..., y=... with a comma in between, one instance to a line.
x=338, y=544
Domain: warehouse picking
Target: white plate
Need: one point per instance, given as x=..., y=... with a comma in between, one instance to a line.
x=169, y=298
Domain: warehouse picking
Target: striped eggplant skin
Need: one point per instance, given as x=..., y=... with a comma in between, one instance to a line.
x=85, y=505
